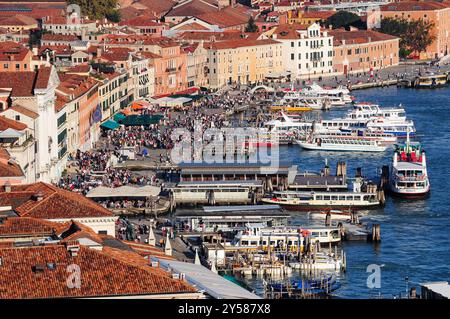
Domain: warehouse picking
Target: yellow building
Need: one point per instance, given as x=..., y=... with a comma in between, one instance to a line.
x=308, y=17
x=242, y=61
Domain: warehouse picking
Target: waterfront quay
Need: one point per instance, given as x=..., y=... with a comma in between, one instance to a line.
x=193, y=235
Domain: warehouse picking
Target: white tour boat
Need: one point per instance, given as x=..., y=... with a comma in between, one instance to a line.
x=409, y=176
x=342, y=143
x=363, y=196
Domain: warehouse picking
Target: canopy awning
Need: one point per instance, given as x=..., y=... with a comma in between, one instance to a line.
x=277, y=75
x=11, y=133
x=136, y=120
x=124, y=191
x=110, y=125
x=119, y=117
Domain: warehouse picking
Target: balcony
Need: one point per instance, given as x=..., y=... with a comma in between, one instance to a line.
x=171, y=70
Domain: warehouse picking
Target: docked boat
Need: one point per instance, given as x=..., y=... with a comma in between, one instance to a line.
x=397, y=128
x=431, y=80
x=334, y=214
x=382, y=138
x=320, y=261
x=287, y=127
x=342, y=143
x=339, y=96
x=296, y=99
x=285, y=238
x=409, y=176
x=370, y=111
x=363, y=196
x=324, y=285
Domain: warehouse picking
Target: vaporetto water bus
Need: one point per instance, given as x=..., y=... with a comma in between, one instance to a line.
x=360, y=198
x=342, y=144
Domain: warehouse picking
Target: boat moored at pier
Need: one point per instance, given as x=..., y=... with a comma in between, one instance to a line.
x=409, y=176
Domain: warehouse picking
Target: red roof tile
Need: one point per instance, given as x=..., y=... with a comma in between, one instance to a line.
x=110, y=272
x=16, y=227
x=6, y=123
x=56, y=203
x=9, y=168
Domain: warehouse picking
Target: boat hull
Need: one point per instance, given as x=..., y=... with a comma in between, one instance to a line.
x=308, y=207
x=341, y=147
x=409, y=195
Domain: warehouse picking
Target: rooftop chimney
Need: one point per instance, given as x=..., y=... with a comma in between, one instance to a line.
x=38, y=196
x=73, y=248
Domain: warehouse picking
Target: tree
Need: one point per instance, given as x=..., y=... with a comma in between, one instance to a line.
x=418, y=36
x=251, y=26
x=343, y=19
x=415, y=35
x=98, y=9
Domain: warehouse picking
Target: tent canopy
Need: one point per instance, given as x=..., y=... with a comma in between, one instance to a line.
x=11, y=133
x=136, y=120
x=119, y=117
x=110, y=125
x=123, y=191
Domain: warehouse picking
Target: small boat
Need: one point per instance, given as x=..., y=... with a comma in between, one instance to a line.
x=342, y=144
x=409, y=177
x=334, y=214
x=315, y=286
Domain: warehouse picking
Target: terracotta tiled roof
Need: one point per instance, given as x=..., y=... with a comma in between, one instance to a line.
x=12, y=50
x=56, y=203
x=290, y=31
x=238, y=44
x=358, y=36
x=217, y=36
x=6, y=123
x=110, y=272
x=59, y=37
x=318, y=14
x=414, y=6
x=225, y=18
x=22, y=83
x=74, y=84
x=8, y=168
x=191, y=8
x=116, y=54
x=141, y=21
x=43, y=77
x=63, y=49
x=23, y=110
x=17, y=20
x=15, y=227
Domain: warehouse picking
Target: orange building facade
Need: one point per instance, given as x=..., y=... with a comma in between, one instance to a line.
x=14, y=57
x=363, y=51
x=435, y=12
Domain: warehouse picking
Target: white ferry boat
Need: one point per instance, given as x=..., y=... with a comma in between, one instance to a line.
x=356, y=199
x=294, y=99
x=284, y=238
x=342, y=143
x=383, y=138
x=409, y=177
x=397, y=128
x=370, y=111
x=338, y=96
x=287, y=127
